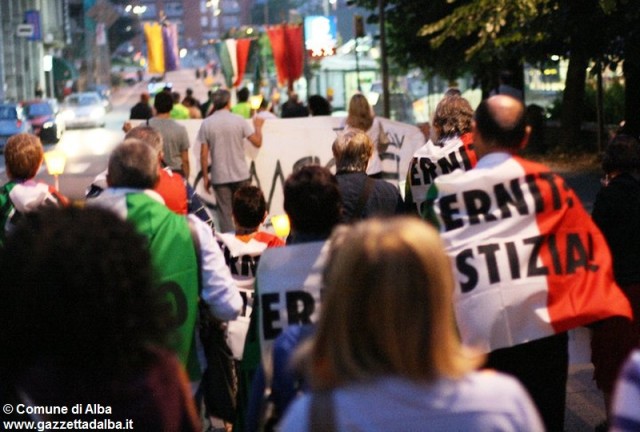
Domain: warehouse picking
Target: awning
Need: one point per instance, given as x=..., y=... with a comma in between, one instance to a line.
x=63, y=70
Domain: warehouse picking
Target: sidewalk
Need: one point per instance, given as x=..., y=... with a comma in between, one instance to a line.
x=585, y=404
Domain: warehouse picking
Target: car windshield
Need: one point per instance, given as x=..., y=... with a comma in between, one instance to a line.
x=38, y=109
x=8, y=113
x=83, y=100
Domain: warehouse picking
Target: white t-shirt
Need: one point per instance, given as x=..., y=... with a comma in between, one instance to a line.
x=481, y=401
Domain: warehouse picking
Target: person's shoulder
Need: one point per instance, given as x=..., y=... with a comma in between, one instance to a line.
x=296, y=417
x=499, y=389
x=385, y=186
x=169, y=177
x=270, y=239
x=5, y=188
x=176, y=126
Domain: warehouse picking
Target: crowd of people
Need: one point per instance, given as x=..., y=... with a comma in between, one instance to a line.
x=190, y=107
x=449, y=307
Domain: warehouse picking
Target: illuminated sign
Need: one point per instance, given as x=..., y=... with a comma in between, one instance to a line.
x=320, y=35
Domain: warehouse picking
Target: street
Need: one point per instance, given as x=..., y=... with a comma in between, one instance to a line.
x=88, y=150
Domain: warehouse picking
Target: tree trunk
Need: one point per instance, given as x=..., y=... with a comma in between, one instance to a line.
x=572, y=101
x=631, y=70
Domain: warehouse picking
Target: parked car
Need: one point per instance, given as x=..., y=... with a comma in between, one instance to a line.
x=12, y=121
x=83, y=110
x=44, y=117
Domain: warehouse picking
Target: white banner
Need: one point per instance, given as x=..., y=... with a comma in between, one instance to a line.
x=289, y=286
x=289, y=143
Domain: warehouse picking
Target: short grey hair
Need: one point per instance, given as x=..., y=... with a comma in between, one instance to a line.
x=147, y=134
x=133, y=164
x=221, y=99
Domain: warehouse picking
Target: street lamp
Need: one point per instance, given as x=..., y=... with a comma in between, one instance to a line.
x=55, y=161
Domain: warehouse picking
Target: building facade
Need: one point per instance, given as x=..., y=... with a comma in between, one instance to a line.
x=32, y=34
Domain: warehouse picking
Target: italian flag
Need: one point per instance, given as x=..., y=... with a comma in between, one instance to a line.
x=527, y=259
x=173, y=258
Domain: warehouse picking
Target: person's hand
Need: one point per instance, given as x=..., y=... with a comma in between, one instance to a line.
x=206, y=184
x=425, y=128
x=127, y=126
x=258, y=122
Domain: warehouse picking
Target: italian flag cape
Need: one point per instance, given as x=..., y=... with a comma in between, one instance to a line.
x=436, y=159
x=527, y=259
x=173, y=258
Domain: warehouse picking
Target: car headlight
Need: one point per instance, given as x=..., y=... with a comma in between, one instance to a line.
x=97, y=113
x=48, y=125
x=67, y=115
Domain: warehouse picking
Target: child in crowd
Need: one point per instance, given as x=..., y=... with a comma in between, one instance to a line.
x=243, y=248
x=23, y=157
x=242, y=251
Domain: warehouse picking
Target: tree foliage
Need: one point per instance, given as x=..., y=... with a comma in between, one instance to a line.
x=481, y=37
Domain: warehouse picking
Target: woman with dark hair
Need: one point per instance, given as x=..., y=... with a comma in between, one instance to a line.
x=84, y=323
x=616, y=211
x=313, y=204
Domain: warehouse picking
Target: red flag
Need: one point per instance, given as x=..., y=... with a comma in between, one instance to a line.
x=295, y=52
x=288, y=52
x=278, y=47
x=242, y=54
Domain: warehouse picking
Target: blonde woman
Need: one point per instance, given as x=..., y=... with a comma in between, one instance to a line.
x=361, y=116
x=386, y=356
x=362, y=196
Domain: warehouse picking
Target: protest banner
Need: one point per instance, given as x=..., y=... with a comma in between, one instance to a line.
x=288, y=144
x=289, y=286
x=527, y=259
